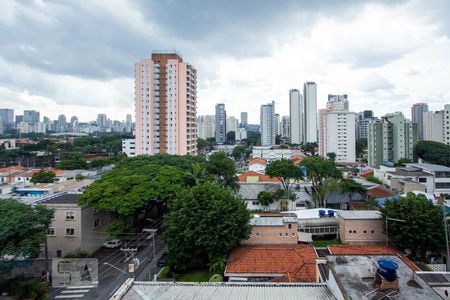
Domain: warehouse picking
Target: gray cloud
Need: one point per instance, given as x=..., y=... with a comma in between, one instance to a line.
x=375, y=83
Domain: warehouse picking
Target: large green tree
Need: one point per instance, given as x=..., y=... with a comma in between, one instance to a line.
x=360, y=146
x=43, y=177
x=22, y=228
x=423, y=229
x=265, y=198
x=72, y=161
x=285, y=171
x=433, y=152
x=203, y=225
x=351, y=188
x=223, y=169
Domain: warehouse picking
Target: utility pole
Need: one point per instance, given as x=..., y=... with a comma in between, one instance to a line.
x=152, y=237
x=129, y=253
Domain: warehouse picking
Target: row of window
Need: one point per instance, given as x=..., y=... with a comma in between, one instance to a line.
x=67, y=231
x=365, y=231
x=286, y=234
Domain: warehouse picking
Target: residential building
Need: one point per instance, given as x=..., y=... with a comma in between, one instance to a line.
x=31, y=117
x=360, y=227
x=18, y=119
x=61, y=123
x=24, y=127
x=338, y=102
x=9, y=144
x=232, y=124
x=446, y=124
x=244, y=119
x=240, y=134
x=433, y=126
x=417, y=111
x=129, y=147
x=391, y=139
x=221, y=124
x=296, y=122
x=257, y=165
x=310, y=96
x=7, y=116
x=74, y=227
x=274, y=154
x=277, y=125
x=39, y=127
x=166, y=100
x=268, y=124
x=273, y=229
x=102, y=121
x=362, y=123
x=206, y=127
x=285, y=127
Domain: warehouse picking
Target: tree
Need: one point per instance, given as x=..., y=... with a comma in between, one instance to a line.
x=423, y=229
x=285, y=171
x=238, y=152
x=223, y=169
x=310, y=147
x=331, y=156
x=231, y=137
x=373, y=179
x=72, y=161
x=402, y=161
x=23, y=228
x=43, y=177
x=433, y=152
x=278, y=139
x=324, y=190
x=204, y=224
x=361, y=145
x=265, y=198
x=318, y=169
x=201, y=144
x=352, y=188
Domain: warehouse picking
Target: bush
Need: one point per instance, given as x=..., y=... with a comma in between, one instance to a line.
x=164, y=273
x=77, y=254
x=216, y=278
x=373, y=179
x=326, y=243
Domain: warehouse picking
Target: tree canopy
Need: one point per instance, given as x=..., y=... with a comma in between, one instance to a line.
x=223, y=169
x=352, y=188
x=423, y=229
x=72, y=161
x=43, y=177
x=285, y=171
x=433, y=152
x=265, y=198
x=360, y=145
x=22, y=228
x=203, y=225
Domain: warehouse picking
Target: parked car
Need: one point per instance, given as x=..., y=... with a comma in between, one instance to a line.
x=112, y=244
x=162, y=261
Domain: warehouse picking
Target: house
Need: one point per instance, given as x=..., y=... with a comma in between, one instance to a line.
x=295, y=263
x=255, y=177
x=360, y=226
x=257, y=165
x=312, y=224
x=9, y=144
x=270, y=154
x=74, y=227
x=273, y=229
x=441, y=177
x=7, y=175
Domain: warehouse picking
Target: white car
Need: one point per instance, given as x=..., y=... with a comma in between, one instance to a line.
x=112, y=244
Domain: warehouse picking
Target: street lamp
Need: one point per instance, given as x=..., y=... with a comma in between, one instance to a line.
x=391, y=219
x=114, y=267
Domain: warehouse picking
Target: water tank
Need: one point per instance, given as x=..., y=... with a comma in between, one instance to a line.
x=387, y=269
x=321, y=213
x=330, y=212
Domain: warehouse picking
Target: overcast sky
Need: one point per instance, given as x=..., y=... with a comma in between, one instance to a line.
x=77, y=57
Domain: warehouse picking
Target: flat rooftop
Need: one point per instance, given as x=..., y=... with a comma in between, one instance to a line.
x=272, y=221
x=359, y=214
x=64, y=199
x=355, y=274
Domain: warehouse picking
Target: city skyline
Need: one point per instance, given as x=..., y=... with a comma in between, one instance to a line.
x=380, y=65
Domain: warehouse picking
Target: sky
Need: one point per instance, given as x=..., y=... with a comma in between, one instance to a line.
x=77, y=57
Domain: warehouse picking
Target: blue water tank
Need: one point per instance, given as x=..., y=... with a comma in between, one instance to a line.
x=388, y=269
x=330, y=212
x=321, y=212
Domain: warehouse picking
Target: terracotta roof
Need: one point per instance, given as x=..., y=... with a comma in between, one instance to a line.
x=299, y=261
x=257, y=160
x=296, y=159
x=366, y=172
x=262, y=178
x=379, y=192
x=371, y=250
x=12, y=168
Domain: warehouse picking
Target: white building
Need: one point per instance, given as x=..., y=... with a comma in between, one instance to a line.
x=310, y=95
x=446, y=124
x=206, y=126
x=129, y=147
x=274, y=154
x=297, y=117
x=285, y=127
x=433, y=126
x=241, y=134
x=40, y=127
x=268, y=129
x=232, y=124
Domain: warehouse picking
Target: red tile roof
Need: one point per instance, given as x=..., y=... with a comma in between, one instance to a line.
x=295, y=261
x=12, y=168
x=366, y=172
x=379, y=192
x=297, y=159
x=257, y=160
x=371, y=250
x=262, y=178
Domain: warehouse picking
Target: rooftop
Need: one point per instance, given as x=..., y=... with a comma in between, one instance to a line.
x=257, y=160
x=379, y=192
x=261, y=177
x=272, y=221
x=250, y=191
x=355, y=274
x=225, y=290
x=409, y=171
x=64, y=199
x=358, y=214
x=297, y=261
x=431, y=167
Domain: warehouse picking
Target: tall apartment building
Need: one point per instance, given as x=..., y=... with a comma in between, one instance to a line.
x=232, y=124
x=417, y=111
x=31, y=116
x=362, y=123
x=244, y=119
x=205, y=125
x=391, y=139
x=268, y=129
x=102, y=120
x=277, y=124
x=7, y=116
x=337, y=132
x=446, y=125
x=285, y=127
x=310, y=95
x=221, y=124
x=62, y=122
x=433, y=126
x=297, y=117
x=166, y=100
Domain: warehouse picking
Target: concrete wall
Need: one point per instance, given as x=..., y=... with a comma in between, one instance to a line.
x=365, y=231
x=273, y=235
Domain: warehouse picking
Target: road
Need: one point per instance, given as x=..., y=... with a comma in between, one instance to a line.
x=109, y=276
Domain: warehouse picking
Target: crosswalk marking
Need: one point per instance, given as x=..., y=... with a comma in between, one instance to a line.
x=80, y=287
x=69, y=296
x=74, y=291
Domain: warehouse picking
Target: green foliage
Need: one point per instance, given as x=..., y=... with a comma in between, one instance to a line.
x=223, y=169
x=205, y=223
x=402, y=161
x=72, y=161
x=43, y=177
x=283, y=147
x=238, y=152
x=77, y=254
x=351, y=188
x=331, y=156
x=326, y=243
x=22, y=228
x=370, y=204
x=310, y=148
x=26, y=289
x=360, y=145
x=164, y=273
x=201, y=144
x=80, y=177
x=101, y=162
x=196, y=276
x=218, y=265
x=324, y=190
x=433, y=152
x=216, y=278
x=265, y=198
x=423, y=229
x=285, y=171
x=231, y=137
x=253, y=138
x=373, y=179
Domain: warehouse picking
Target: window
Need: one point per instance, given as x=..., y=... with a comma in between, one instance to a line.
x=422, y=179
x=286, y=234
x=365, y=231
x=373, y=231
x=349, y=231
x=257, y=234
x=281, y=234
x=442, y=185
x=51, y=231
x=354, y=231
x=70, y=215
x=96, y=223
x=290, y=226
x=70, y=231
